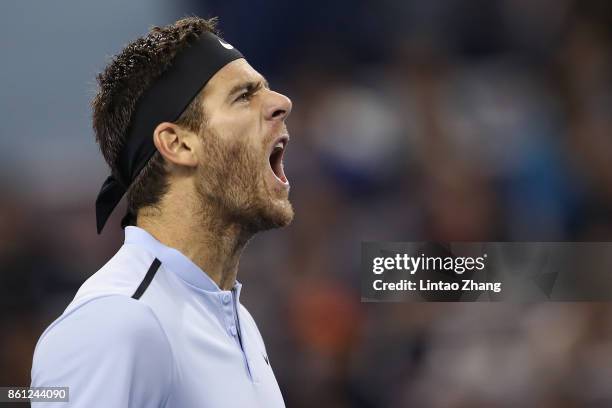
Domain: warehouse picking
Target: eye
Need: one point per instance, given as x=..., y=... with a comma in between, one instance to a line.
x=244, y=97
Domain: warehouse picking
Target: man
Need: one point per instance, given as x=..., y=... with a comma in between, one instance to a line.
x=195, y=137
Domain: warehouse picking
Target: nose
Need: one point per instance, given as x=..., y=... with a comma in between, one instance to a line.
x=277, y=107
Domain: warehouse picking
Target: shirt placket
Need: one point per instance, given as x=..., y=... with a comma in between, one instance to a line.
x=232, y=323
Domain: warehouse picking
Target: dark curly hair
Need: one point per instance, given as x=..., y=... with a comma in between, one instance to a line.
x=123, y=82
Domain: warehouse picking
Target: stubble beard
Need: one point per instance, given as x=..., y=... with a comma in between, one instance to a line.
x=232, y=188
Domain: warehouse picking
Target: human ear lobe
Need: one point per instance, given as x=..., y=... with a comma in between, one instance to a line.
x=175, y=144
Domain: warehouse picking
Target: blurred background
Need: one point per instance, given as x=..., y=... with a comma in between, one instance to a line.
x=413, y=120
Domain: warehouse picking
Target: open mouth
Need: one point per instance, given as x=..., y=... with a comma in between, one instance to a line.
x=276, y=159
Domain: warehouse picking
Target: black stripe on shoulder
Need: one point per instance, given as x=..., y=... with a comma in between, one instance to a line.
x=147, y=279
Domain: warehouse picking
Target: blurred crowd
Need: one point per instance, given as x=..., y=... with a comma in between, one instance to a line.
x=442, y=120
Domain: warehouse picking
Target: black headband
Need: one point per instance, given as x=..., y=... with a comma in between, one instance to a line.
x=167, y=98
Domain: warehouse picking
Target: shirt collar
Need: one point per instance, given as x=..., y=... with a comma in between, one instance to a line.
x=174, y=260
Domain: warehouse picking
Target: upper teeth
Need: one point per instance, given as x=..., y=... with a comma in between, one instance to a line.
x=279, y=145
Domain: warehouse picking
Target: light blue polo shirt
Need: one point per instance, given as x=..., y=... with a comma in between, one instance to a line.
x=151, y=329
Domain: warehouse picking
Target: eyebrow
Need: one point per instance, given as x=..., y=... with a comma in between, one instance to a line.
x=249, y=86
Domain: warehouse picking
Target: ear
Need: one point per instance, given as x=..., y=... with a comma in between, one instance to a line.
x=176, y=144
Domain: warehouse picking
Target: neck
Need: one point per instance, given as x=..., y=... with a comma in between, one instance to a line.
x=201, y=235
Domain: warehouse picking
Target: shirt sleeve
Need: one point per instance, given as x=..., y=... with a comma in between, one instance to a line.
x=110, y=352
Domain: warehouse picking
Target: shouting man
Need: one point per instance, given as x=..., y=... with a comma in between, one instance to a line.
x=195, y=137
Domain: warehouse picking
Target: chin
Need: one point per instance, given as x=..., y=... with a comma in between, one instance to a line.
x=284, y=215
x=276, y=214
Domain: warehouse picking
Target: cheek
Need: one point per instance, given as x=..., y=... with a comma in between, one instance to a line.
x=233, y=157
x=244, y=147
x=241, y=124
x=229, y=163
